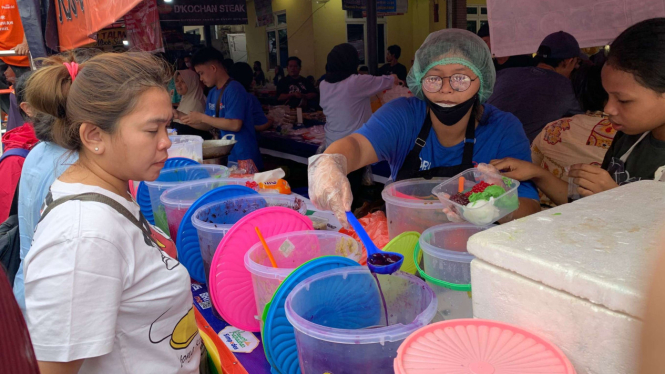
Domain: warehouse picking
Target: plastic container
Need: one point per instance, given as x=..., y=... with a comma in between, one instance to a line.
x=290, y=251
x=187, y=146
x=448, y=268
x=173, y=177
x=477, y=346
x=213, y=221
x=411, y=206
x=349, y=321
x=177, y=200
x=491, y=212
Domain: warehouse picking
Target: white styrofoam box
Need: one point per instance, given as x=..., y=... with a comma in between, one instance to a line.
x=599, y=251
x=601, y=342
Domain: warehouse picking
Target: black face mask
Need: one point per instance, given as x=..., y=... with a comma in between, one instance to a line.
x=450, y=116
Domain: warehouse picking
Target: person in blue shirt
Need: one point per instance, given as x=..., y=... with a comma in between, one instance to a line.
x=442, y=131
x=228, y=107
x=242, y=72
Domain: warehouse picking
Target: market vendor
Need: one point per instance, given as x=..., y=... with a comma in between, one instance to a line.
x=442, y=131
x=228, y=107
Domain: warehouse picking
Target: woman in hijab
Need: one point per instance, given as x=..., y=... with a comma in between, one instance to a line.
x=193, y=100
x=442, y=131
x=345, y=97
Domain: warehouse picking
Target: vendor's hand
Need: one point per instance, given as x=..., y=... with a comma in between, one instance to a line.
x=297, y=95
x=329, y=188
x=22, y=49
x=193, y=118
x=176, y=114
x=517, y=169
x=396, y=80
x=591, y=179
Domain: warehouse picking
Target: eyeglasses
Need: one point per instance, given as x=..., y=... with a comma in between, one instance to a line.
x=458, y=82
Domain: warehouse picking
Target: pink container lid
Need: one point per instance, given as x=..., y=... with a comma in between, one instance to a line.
x=230, y=283
x=476, y=346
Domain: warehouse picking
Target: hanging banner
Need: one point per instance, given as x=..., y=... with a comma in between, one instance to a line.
x=383, y=7
x=264, y=15
x=72, y=25
x=519, y=26
x=102, y=13
x=79, y=20
x=143, y=29
x=203, y=12
x=111, y=39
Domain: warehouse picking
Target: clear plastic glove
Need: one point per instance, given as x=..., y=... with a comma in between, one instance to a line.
x=329, y=188
x=450, y=212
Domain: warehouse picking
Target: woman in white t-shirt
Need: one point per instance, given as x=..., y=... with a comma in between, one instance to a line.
x=345, y=95
x=345, y=98
x=101, y=296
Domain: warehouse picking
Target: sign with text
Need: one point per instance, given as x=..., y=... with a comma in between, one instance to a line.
x=519, y=26
x=383, y=7
x=203, y=12
x=109, y=39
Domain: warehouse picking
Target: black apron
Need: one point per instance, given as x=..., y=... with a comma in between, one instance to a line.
x=411, y=166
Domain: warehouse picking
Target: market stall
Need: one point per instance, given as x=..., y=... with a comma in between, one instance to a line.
x=297, y=142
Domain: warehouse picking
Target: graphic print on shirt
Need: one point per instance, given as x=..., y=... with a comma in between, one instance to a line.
x=297, y=87
x=181, y=335
x=424, y=164
x=602, y=134
x=554, y=131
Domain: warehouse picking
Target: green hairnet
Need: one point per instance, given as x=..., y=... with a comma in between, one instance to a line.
x=453, y=46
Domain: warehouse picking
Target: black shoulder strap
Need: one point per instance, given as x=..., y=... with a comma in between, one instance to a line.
x=469, y=140
x=411, y=163
x=219, y=98
x=142, y=224
x=13, y=210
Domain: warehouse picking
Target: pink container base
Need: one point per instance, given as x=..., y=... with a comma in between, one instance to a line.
x=475, y=346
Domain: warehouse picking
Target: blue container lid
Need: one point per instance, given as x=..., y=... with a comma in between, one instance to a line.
x=279, y=340
x=189, y=250
x=143, y=194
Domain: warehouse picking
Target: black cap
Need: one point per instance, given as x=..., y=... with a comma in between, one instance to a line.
x=559, y=45
x=484, y=30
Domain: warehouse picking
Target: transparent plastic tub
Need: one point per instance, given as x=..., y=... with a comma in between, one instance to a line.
x=494, y=210
x=170, y=178
x=349, y=321
x=177, y=200
x=290, y=251
x=187, y=146
x=214, y=220
x=448, y=268
x=411, y=206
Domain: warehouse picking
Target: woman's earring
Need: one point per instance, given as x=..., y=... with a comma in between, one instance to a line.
x=96, y=149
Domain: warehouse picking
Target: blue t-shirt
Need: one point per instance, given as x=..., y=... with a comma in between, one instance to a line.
x=237, y=104
x=258, y=116
x=393, y=130
x=44, y=164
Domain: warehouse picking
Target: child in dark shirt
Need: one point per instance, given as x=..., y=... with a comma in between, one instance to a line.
x=634, y=78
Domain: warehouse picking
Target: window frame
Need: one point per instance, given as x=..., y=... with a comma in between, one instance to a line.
x=276, y=28
x=479, y=18
x=363, y=21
